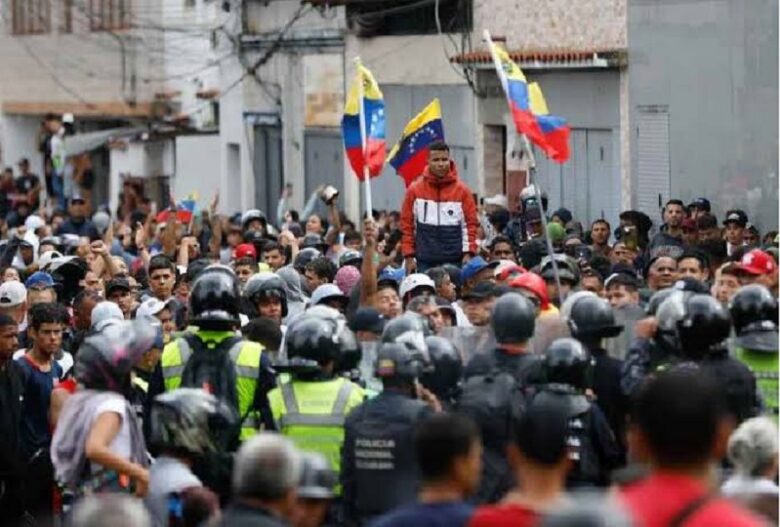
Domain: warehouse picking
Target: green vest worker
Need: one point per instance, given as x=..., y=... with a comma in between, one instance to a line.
x=312, y=407
x=754, y=312
x=214, y=357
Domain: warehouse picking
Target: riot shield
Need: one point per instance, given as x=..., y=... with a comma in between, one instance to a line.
x=627, y=316
x=367, y=366
x=548, y=328
x=470, y=341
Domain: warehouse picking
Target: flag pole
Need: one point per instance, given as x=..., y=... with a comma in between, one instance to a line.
x=531, y=166
x=363, y=141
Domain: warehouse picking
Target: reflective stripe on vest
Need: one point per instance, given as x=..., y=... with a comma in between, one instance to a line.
x=245, y=357
x=293, y=416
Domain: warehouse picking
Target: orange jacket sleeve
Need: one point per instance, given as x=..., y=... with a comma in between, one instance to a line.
x=472, y=222
x=407, y=223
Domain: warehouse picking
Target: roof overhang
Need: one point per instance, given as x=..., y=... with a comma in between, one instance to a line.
x=97, y=110
x=549, y=59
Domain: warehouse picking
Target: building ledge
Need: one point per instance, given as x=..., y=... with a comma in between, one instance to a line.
x=549, y=59
x=113, y=109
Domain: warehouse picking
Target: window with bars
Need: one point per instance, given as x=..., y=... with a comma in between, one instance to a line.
x=107, y=15
x=30, y=17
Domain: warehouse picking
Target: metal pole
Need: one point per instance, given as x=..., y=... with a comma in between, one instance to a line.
x=538, y=194
x=364, y=142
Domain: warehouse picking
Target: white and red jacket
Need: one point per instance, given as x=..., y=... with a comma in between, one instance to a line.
x=439, y=219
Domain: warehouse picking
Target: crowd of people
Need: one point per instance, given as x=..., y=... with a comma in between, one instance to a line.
x=445, y=364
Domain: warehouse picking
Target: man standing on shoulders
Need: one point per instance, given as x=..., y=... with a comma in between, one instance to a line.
x=439, y=216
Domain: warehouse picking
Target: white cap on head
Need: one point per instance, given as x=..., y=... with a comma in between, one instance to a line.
x=12, y=294
x=499, y=200
x=151, y=307
x=415, y=280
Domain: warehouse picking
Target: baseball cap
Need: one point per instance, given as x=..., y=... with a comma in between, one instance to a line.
x=475, y=266
x=481, y=291
x=757, y=262
x=328, y=292
x=391, y=276
x=151, y=307
x=368, y=319
x=117, y=283
x=39, y=280
x=689, y=224
x=499, y=200
x=506, y=268
x=34, y=222
x=77, y=197
x=700, y=204
x=566, y=268
x=12, y=294
x=736, y=216
x=104, y=314
x=243, y=250
x=415, y=280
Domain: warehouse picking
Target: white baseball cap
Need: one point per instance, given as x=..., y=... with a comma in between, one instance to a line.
x=415, y=280
x=498, y=200
x=12, y=294
x=151, y=307
x=104, y=314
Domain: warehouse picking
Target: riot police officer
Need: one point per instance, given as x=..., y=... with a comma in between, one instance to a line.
x=214, y=357
x=267, y=294
x=594, y=450
x=379, y=469
x=754, y=312
x=496, y=388
x=311, y=408
x=591, y=320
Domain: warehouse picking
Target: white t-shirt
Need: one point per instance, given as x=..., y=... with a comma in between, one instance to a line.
x=121, y=443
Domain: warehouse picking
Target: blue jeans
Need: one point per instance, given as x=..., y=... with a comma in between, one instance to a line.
x=58, y=188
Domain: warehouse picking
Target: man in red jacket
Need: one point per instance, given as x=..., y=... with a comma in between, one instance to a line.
x=439, y=216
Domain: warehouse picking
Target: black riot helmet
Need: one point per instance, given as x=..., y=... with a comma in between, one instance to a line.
x=400, y=363
x=266, y=285
x=311, y=341
x=752, y=303
x=410, y=329
x=566, y=361
x=513, y=319
x=192, y=421
x=657, y=299
x=348, y=347
x=447, y=367
x=705, y=325
x=214, y=299
x=303, y=258
x=754, y=313
x=592, y=318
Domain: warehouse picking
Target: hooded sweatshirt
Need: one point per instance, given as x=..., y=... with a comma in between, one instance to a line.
x=439, y=219
x=296, y=300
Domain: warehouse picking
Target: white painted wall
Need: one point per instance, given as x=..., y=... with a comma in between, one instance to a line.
x=18, y=139
x=198, y=164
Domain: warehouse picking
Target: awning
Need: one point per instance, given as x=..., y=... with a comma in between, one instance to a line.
x=80, y=143
x=549, y=59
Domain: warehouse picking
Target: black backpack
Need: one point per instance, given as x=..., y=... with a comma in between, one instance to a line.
x=212, y=369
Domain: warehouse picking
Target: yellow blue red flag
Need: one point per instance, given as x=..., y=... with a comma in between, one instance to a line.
x=410, y=155
x=372, y=154
x=529, y=109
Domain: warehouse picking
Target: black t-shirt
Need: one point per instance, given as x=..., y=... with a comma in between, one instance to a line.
x=25, y=184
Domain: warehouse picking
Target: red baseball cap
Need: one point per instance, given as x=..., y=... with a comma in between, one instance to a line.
x=757, y=262
x=243, y=250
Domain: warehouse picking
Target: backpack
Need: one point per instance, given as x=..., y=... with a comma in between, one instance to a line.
x=211, y=369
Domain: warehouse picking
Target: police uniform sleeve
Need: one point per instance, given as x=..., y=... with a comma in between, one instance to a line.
x=635, y=367
x=606, y=445
x=156, y=387
x=266, y=381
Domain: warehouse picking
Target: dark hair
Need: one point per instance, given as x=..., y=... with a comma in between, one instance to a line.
x=602, y=220
x=704, y=262
x=294, y=216
x=626, y=280
x=601, y=265
x=271, y=245
x=161, y=261
x=439, y=146
x=501, y=238
x=323, y=268
x=7, y=320
x=706, y=221
x=246, y=260
x=678, y=411
x=674, y=202
x=351, y=236
x=440, y=440
x=738, y=252
x=265, y=331
x=86, y=294
x=437, y=274
x=48, y=313
x=540, y=434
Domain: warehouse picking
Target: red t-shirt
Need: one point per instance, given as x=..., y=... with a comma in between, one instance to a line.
x=655, y=501
x=506, y=515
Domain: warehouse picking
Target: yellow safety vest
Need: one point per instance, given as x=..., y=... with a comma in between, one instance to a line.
x=244, y=355
x=312, y=414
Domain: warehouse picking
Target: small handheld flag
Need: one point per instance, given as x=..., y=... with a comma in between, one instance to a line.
x=410, y=155
x=529, y=109
x=372, y=153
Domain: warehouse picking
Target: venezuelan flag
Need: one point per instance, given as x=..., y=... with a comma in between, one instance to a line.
x=529, y=111
x=410, y=155
x=374, y=116
x=184, y=211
